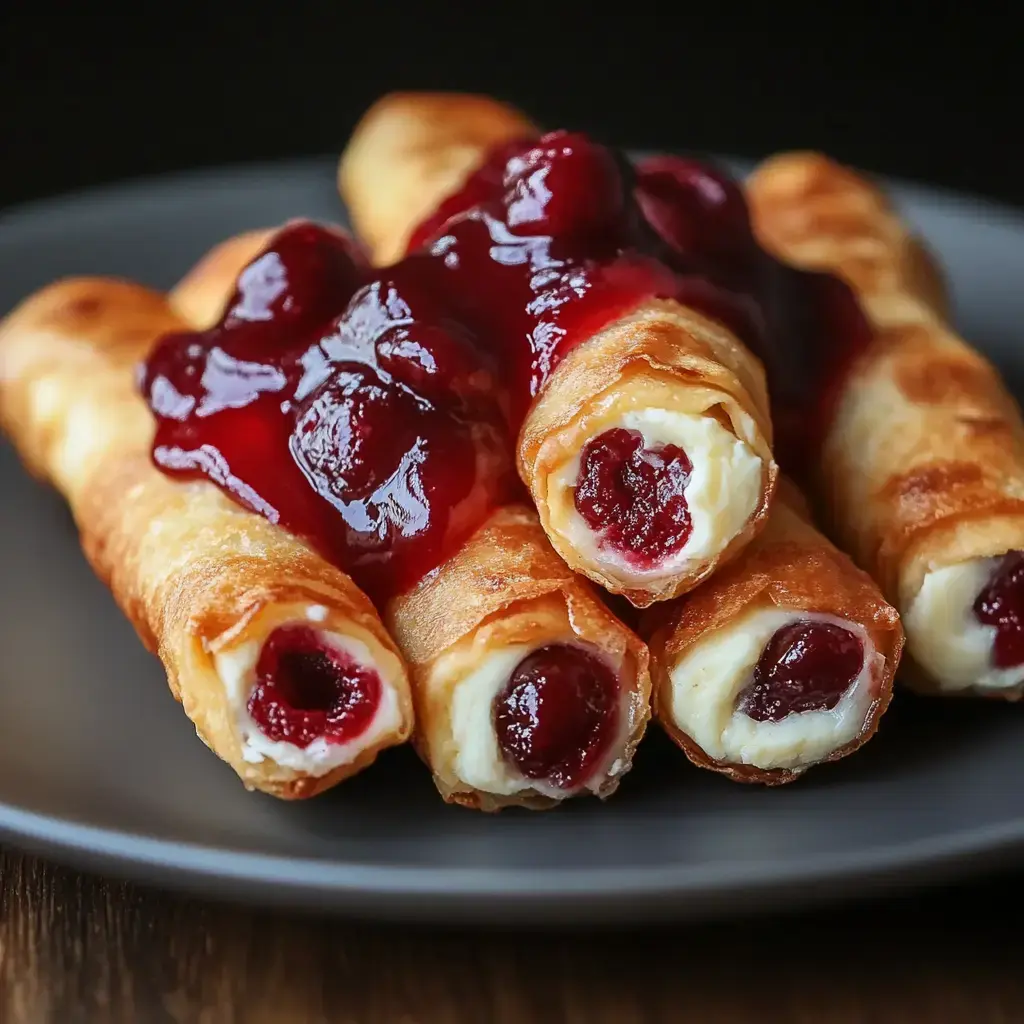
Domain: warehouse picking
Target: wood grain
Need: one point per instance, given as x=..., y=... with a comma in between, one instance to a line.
x=74, y=948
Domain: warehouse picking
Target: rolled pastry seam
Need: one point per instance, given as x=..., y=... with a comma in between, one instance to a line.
x=469, y=626
x=663, y=374
x=478, y=635
x=921, y=471
x=246, y=619
x=782, y=661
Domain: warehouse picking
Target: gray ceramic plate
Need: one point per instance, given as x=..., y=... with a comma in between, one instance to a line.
x=99, y=767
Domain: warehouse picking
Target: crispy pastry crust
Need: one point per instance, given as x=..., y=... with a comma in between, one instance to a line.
x=194, y=572
x=790, y=566
x=409, y=152
x=505, y=585
x=923, y=464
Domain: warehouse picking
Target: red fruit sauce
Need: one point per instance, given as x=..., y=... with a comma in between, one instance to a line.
x=558, y=715
x=805, y=666
x=306, y=688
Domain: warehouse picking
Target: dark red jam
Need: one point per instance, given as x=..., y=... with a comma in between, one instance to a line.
x=558, y=715
x=805, y=666
x=632, y=496
x=1001, y=604
x=348, y=407
x=553, y=239
x=307, y=689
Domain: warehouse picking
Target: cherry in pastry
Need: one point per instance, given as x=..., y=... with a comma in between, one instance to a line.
x=558, y=715
x=633, y=497
x=1001, y=604
x=805, y=666
x=307, y=688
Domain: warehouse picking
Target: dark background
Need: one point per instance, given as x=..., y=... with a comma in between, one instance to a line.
x=922, y=93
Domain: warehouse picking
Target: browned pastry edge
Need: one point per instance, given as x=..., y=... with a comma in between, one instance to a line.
x=660, y=343
x=199, y=297
x=923, y=466
x=443, y=133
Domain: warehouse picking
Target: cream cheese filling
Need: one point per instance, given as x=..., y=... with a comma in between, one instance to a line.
x=945, y=637
x=707, y=681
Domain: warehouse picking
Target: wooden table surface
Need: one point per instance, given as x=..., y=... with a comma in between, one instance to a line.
x=79, y=948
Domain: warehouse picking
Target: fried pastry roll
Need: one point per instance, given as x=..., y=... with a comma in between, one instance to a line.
x=278, y=659
x=527, y=689
x=921, y=466
x=642, y=424
x=782, y=661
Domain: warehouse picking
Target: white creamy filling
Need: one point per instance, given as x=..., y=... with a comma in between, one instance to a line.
x=944, y=636
x=722, y=493
x=478, y=760
x=708, y=680
x=237, y=671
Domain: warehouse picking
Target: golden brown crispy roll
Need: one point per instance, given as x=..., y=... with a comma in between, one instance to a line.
x=280, y=661
x=527, y=689
x=922, y=462
x=783, y=660
x=646, y=448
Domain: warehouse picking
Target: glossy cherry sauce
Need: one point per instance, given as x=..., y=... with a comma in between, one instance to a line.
x=328, y=402
x=805, y=666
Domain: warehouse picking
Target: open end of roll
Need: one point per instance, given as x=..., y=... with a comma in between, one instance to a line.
x=965, y=625
x=308, y=698
x=779, y=690
x=658, y=493
x=308, y=687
